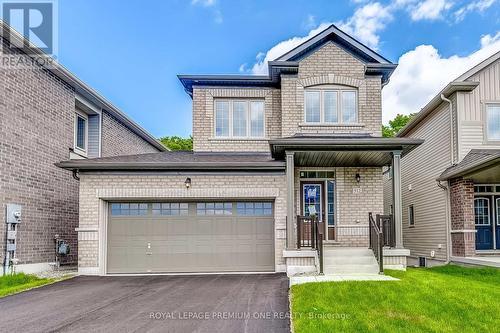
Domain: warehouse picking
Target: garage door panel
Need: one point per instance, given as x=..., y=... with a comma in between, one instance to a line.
x=219, y=237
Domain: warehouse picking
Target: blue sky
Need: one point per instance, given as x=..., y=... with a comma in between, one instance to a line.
x=131, y=51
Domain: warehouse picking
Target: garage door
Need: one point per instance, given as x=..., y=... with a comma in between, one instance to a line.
x=190, y=237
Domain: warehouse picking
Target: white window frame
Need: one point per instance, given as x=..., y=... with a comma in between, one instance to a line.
x=248, y=119
x=411, y=208
x=75, y=146
x=486, y=105
x=339, y=90
x=488, y=209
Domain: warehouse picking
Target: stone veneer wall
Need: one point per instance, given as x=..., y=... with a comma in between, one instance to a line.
x=351, y=208
x=94, y=187
x=463, y=240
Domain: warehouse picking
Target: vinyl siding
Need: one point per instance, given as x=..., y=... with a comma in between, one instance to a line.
x=387, y=191
x=420, y=168
x=94, y=137
x=470, y=107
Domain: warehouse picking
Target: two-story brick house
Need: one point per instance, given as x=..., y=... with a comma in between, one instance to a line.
x=451, y=183
x=269, y=152
x=48, y=115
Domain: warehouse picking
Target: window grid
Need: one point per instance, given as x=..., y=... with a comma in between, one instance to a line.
x=170, y=208
x=239, y=119
x=254, y=208
x=214, y=208
x=129, y=209
x=324, y=106
x=481, y=211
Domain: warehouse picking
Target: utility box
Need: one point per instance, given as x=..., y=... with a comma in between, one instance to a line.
x=14, y=213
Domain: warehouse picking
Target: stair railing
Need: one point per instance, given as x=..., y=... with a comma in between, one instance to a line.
x=376, y=242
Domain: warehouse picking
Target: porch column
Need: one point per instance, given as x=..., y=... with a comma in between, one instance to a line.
x=290, y=199
x=397, y=201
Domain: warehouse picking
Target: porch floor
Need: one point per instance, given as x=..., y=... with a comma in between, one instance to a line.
x=479, y=260
x=339, y=278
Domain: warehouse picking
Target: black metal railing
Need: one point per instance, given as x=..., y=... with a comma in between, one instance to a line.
x=310, y=234
x=388, y=228
x=376, y=241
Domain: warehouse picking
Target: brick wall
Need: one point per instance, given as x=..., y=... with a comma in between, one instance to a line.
x=462, y=217
x=36, y=131
x=95, y=187
x=117, y=139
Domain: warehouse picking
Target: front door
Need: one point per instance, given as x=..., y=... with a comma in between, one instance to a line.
x=312, y=200
x=484, y=219
x=497, y=221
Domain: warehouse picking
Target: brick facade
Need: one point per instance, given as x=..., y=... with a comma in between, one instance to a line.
x=36, y=131
x=462, y=217
x=95, y=189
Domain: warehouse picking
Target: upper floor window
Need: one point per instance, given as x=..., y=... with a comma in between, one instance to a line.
x=239, y=118
x=81, y=132
x=331, y=105
x=493, y=121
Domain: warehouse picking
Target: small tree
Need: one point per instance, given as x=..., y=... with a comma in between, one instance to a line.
x=396, y=125
x=177, y=143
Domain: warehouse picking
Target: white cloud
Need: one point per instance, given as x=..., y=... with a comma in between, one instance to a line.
x=423, y=72
x=367, y=22
x=429, y=9
x=204, y=3
x=309, y=22
x=478, y=5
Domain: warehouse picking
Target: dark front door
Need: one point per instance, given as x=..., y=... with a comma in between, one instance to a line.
x=484, y=219
x=497, y=221
x=312, y=199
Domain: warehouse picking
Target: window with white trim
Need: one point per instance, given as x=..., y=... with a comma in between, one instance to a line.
x=411, y=216
x=482, y=211
x=81, y=132
x=239, y=119
x=330, y=106
x=493, y=122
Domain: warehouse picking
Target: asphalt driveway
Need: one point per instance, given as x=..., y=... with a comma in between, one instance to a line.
x=208, y=303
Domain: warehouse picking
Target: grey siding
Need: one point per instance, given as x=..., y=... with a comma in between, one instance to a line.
x=470, y=108
x=420, y=168
x=94, y=136
x=387, y=191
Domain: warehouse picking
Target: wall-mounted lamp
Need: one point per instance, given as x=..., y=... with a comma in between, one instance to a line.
x=358, y=178
x=188, y=182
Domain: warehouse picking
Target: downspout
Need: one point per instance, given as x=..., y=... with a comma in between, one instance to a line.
x=452, y=143
x=447, y=222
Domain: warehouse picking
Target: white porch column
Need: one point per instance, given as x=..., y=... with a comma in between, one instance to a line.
x=397, y=200
x=290, y=200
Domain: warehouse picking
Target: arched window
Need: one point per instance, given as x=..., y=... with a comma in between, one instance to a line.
x=331, y=105
x=482, y=211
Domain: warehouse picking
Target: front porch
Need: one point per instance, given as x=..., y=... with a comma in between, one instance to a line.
x=334, y=198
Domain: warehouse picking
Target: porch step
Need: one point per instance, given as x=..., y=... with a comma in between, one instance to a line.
x=349, y=260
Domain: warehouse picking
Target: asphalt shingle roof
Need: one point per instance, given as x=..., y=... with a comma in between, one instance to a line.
x=474, y=160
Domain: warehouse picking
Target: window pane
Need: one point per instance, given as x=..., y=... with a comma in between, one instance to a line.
x=312, y=107
x=80, y=132
x=482, y=211
x=348, y=107
x=221, y=118
x=257, y=119
x=493, y=119
x=240, y=118
x=330, y=106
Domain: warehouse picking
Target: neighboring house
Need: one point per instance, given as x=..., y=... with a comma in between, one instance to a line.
x=304, y=139
x=48, y=115
x=451, y=183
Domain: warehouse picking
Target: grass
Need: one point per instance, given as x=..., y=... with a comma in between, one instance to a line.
x=11, y=284
x=441, y=299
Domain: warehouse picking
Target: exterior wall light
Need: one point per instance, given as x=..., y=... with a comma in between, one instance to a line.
x=188, y=182
x=358, y=178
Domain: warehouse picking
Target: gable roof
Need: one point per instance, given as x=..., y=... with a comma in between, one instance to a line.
x=288, y=63
x=79, y=86
x=461, y=83
x=475, y=160
x=332, y=33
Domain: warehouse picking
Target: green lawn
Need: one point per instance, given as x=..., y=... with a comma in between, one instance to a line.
x=441, y=299
x=11, y=284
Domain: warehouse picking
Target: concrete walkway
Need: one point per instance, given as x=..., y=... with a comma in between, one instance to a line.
x=340, y=277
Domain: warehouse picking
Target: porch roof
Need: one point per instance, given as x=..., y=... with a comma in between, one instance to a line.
x=482, y=165
x=350, y=150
